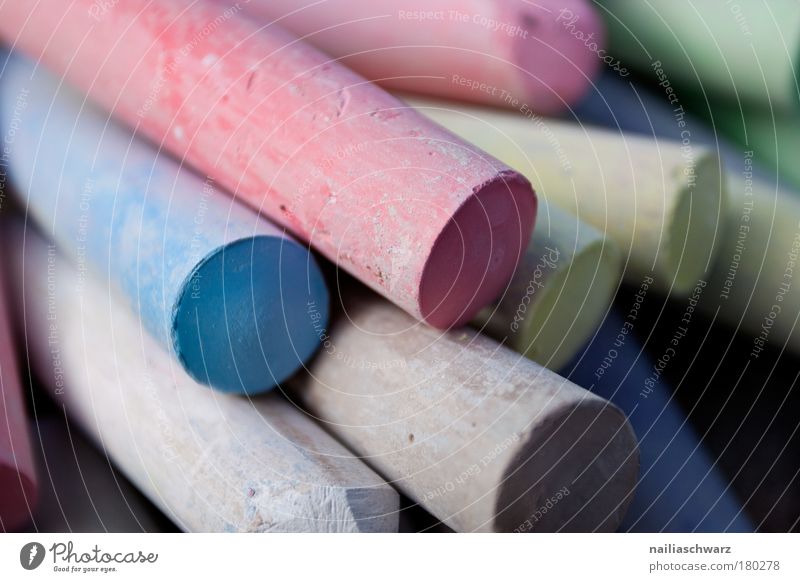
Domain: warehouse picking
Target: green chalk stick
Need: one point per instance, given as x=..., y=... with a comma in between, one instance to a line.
x=661, y=202
x=756, y=275
x=746, y=50
x=562, y=289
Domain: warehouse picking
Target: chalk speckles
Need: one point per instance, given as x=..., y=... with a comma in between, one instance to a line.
x=529, y=21
x=342, y=101
x=209, y=60
x=385, y=114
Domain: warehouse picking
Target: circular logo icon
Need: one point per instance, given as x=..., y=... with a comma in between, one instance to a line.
x=31, y=555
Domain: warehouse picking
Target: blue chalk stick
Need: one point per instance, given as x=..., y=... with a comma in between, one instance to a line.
x=239, y=303
x=680, y=488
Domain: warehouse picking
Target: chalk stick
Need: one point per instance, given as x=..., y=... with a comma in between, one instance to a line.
x=486, y=51
x=82, y=493
x=209, y=461
x=753, y=285
x=660, y=205
x=482, y=438
x=18, y=479
x=762, y=220
x=560, y=292
x=681, y=489
x=745, y=50
x=221, y=287
x=422, y=217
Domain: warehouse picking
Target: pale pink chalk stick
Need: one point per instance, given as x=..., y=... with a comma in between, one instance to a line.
x=421, y=216
x=17, y=468
x=538, y=52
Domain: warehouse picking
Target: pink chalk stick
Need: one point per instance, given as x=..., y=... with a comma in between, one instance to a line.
x=422, y=217
x=542, y=53
x=17, y=469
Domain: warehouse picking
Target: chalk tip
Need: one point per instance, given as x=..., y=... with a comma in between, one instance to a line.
x=589, y=455
x=571, y=305
x=554, y=64
x=374, y=509
x=695, y=225
x=349, y=509
x=250, y=315
x=475, y=255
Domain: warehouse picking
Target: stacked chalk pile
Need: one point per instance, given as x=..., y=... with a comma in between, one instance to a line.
x=279, y=296
x=179, y=284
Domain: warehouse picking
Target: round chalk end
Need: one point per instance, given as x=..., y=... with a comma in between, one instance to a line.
x=250, y=315
x=17, y=497
x=475, y=255
x=576, y=473
x=695, y=226
x=570, y=306
x=551, y=50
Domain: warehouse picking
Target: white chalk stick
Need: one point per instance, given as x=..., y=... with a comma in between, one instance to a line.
x=482, y=437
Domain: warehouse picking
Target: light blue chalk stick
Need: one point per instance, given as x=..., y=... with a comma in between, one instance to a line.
x=680, y=488
x=240, y=304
